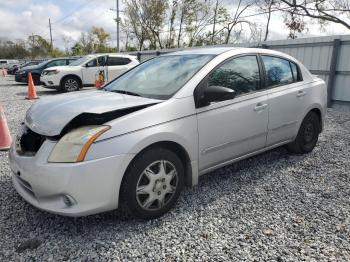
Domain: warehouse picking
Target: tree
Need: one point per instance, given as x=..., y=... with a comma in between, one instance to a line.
x=13, y=50
x=266, y=6
x=237, y=18
x=335, y=11
x=147, y=18
x=99, y=39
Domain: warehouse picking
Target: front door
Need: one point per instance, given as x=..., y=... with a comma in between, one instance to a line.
x=91, y=70
x=236, y=127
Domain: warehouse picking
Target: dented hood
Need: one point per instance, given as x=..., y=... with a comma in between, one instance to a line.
x=50, y=115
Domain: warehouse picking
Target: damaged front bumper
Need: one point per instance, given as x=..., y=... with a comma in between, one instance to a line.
x=68, y=189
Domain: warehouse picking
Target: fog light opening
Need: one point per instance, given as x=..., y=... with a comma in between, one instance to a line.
x=68, y=200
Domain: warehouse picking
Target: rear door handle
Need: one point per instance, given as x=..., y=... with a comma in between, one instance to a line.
x=301, y=93
x=260, y=107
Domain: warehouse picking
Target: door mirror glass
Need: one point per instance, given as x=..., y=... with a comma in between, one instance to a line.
x=218, y=93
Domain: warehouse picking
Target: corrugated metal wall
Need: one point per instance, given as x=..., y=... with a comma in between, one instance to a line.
x=315, y=53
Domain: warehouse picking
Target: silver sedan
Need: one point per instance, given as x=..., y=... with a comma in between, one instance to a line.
x=158, y=127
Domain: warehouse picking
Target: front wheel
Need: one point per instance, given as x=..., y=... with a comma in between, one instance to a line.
x=70, y=84
x=307, y=136
x=152, y=184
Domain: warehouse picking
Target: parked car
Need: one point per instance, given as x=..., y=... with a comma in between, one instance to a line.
x=13, y=69
x=7, y=63
x=21, y=75
x=84, y=71
x=160, y=125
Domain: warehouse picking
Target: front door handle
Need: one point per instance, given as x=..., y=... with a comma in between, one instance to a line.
x=301, y=93
x=260, y=107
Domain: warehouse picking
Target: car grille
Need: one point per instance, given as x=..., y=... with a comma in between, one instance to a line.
x=28, y=142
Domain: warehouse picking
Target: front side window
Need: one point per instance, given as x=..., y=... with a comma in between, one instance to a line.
x=100, y=61
x=160, y=77
x=92, y=63
x=240, y=74
x=278, y=71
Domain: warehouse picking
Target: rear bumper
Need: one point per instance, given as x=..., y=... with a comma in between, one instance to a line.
x=69, y=189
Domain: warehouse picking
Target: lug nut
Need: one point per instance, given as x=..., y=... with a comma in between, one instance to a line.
x=159, y=192
x=164, y=187
x=163, y=179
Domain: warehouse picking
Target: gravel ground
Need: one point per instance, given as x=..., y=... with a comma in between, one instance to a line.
x=274, y=206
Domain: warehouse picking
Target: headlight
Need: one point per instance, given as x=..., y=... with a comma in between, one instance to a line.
x=52, y=72
x=73, y=146
x=22, y=72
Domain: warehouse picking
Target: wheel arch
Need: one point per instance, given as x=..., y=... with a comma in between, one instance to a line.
x=319, y=111
x=191, y=172
x=72, y=75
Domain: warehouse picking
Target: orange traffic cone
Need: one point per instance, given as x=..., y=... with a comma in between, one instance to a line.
x=5, y=137
x=31, y=88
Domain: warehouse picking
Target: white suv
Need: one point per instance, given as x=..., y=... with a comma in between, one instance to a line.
x=84, y=71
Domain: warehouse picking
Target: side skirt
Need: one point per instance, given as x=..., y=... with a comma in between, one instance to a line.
x=207, y=170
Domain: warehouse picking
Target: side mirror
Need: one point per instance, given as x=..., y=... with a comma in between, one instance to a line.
x=218, y=93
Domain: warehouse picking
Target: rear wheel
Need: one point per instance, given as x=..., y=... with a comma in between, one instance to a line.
x=307, y=136
x=152, y=184
x=70, y=84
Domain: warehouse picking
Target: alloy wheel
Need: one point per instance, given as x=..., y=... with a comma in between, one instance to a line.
x=71, y=85
x=156, y=185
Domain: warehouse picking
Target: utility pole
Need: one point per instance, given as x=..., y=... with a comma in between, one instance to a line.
x=117, y=10
x=51, y=46
x=33, y=46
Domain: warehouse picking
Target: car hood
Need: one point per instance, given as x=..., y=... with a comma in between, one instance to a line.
x=51, y=115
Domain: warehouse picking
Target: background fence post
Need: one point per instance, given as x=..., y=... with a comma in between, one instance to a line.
x=333, y=71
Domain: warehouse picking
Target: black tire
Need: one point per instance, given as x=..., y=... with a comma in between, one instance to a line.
x=307, y=136
x=135, y=177
x=36, y=79
x=70, y=84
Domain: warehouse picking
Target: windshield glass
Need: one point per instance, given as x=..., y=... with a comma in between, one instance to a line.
x=81, y=61
x=161, y=77
x=43, y=63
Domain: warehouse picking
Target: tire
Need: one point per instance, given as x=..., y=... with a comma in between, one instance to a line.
x=36, y=79
x=146, y=191
x=70, y=84
x=307, y=136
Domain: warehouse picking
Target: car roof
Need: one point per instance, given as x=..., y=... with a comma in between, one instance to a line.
x=204, y=51
x=112, y=54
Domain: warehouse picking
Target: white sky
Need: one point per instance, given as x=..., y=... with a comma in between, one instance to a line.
x=20, y=18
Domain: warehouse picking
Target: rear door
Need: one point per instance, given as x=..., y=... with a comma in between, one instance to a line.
x=286, y=98
x=117, y=66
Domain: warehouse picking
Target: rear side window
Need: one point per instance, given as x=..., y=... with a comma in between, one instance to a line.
x=240, y=74
x=278, y=71
x=117, y=61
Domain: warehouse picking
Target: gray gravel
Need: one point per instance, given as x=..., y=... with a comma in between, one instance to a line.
x=275, y=207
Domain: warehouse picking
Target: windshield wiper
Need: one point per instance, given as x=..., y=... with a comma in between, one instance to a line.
x=125, y=92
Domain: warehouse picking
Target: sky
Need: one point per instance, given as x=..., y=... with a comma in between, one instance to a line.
x=21, y=18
